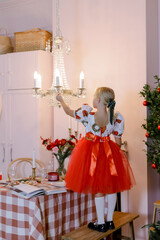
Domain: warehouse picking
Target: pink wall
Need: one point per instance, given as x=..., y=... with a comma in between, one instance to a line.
x=108, y=41
x=22, y=15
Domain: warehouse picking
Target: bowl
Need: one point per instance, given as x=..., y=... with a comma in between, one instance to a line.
x=53, y=176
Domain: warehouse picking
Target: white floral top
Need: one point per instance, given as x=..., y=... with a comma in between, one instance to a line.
x=86, y=116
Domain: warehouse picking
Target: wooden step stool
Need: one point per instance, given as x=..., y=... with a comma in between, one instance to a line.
x=156, y=205
x=120, y=219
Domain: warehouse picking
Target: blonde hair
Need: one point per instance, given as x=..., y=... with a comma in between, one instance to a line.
x=105, y=94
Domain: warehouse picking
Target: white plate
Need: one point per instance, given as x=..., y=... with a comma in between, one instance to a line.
x=58, y=183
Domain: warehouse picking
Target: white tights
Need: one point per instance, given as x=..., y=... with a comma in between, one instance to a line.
x=111, y=199
x=99, y=202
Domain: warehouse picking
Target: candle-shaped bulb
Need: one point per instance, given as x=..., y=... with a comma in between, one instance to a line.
x=69, y=122
x=57, y=78
x=34, y=164
x=35, y=75
x=81, y=80
x=76, y=126
x=37, y=80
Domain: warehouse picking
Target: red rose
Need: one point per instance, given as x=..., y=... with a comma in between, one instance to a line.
x=147, y=134
x=52, y=145
x=56, y=142
x=45, y=142
x=72, y=136
x=71, y=143
x=63, y=142
x=49, y=147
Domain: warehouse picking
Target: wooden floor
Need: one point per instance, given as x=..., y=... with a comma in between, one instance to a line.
x=120, y=219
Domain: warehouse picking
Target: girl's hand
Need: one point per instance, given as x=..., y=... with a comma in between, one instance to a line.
x=59, y=97
x=65, y=107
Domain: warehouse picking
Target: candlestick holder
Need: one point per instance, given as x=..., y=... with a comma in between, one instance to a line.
x=76, y=134
x=58, y=89
x=33, y=173
x=81, y=92
x=69, y=130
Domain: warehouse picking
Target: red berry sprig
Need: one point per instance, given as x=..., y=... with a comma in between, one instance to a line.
x=154, y=166
x=145, y=103
x=158, y=89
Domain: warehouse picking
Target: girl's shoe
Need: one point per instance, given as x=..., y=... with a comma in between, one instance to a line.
x=97, y=227
x=109, y=225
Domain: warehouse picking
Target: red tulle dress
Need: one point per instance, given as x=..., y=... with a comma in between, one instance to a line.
x=97, y=164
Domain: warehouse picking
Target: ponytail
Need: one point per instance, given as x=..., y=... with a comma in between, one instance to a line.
x=111, y=105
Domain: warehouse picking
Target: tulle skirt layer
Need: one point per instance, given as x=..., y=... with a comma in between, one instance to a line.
x=79, y=179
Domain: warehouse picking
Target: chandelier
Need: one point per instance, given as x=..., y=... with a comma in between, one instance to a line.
x=59, y=84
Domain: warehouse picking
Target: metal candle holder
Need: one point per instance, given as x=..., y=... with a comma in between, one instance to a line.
x=76, y=134
x=70, y=131
x=33, y=173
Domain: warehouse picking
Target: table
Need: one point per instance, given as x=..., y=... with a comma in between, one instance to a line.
x=43, y=217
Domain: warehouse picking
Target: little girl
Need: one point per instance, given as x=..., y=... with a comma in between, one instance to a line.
x=97, y=165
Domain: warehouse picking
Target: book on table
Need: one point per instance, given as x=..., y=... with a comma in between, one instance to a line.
x=27, y=191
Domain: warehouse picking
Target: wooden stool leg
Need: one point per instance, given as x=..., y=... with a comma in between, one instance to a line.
x=132, y=230
x=110, y=237
x=154, y=215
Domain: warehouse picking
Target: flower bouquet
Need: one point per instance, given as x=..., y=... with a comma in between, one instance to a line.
x=61, y=149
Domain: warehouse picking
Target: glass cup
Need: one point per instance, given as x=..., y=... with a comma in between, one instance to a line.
x=43, y=175
x=50, y=166
x=12, y=173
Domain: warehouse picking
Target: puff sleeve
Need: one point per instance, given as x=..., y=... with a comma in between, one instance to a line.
x=81, y=114
x=118, y=126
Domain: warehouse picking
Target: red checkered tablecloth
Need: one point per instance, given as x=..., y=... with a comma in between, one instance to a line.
x=43, y=217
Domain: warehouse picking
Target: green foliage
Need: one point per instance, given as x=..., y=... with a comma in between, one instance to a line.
x=152, y=96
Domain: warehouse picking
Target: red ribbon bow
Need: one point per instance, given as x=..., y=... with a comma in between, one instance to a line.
x=95, y=149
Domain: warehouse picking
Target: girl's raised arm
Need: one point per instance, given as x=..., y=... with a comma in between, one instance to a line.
x=66, y=108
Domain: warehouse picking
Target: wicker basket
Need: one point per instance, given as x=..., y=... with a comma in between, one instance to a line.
x=34, y=39
x=5, y=42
